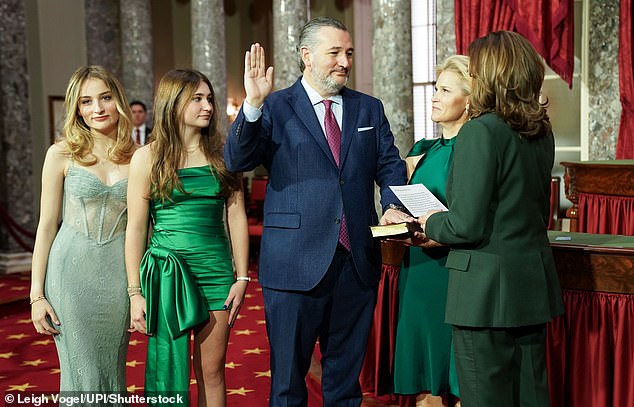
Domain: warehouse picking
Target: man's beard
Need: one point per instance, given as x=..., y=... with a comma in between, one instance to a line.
x=329, y=84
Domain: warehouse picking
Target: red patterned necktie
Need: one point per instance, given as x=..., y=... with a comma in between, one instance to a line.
x=138, y=136
x=333, y=134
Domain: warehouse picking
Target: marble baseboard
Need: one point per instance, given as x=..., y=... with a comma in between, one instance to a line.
x=15, y=262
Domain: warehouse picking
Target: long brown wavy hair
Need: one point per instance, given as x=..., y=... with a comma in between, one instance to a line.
x=175, y=91
x=507, y=76
x=76, y=134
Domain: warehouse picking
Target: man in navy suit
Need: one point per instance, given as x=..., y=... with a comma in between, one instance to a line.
x=319, y=266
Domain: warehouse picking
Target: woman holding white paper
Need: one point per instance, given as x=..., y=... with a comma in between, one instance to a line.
x=423, y=361
x=503, y=287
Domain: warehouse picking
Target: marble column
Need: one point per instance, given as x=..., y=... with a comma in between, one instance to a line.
x=445, y=30
x=136, y=50
x=16, y=196
x=208, y=49
x=289, y=16
x=604, y=105
x=103, y=34
x=392, y=67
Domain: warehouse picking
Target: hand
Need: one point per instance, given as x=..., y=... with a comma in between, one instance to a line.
x=395, y=216
x=429, y=244
x=40, y=310
x=422, y=220
x=420, y=240
x=235, y=298
x=258, y=80
x=137, y=314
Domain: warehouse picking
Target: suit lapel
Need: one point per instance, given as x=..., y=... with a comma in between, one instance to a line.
x=348, y=131
x=306, y=113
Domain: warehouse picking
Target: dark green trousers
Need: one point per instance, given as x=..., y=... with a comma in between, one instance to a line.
x=501, y=367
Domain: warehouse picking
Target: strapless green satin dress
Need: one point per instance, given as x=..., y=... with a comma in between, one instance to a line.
x=186, y=272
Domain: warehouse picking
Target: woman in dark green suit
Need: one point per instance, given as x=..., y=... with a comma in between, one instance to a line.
x=503, y=287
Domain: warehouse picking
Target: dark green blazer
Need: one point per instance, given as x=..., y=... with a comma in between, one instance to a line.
x=501, y=268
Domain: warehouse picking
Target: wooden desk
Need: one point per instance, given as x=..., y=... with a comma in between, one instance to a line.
x=590, y=349
x=594, y=262
x=609, y=177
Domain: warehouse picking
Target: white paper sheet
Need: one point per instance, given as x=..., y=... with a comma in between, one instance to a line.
x=417, y=199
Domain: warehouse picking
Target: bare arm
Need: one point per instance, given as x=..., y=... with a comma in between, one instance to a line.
x=410, y=164
x=137, y=232
x=239, y=235
x=53, y=173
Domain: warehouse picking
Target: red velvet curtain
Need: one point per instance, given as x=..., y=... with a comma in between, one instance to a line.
x=625, y=143
x=606, y=214
x=376, y=375
x=590, y=351
x=547, y=24
x=378, y=367
x=476, y=18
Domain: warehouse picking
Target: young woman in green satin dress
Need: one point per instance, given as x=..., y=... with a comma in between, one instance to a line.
x=184, y=279
x=423, y=360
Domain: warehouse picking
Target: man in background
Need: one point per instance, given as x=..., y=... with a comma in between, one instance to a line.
x=141, y=132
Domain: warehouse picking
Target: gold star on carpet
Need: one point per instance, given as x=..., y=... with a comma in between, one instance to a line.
x=263, y=374
x=260, y=322
x=255, y=308
x=18, y=288
x=232, y=365
x=133, y=388
x=240, y=316
x=35, y=362
x=244, y=332
x=18, y=336
x=7, y=355
x=192, y=381
x=23, y=321
x=248, y=295
x=3, y=284
x=241, y=391
x=20, y=387
x=42, y=342
x=256, y=351
x=55, y=371
x=135, y=342
x=133, y=363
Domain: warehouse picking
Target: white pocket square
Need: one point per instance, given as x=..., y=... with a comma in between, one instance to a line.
x=364, y=128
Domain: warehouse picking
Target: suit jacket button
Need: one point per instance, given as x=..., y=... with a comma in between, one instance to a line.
x=337, y=221
x=341, y=182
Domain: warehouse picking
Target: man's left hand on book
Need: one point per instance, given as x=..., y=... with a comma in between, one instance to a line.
x=392, y=216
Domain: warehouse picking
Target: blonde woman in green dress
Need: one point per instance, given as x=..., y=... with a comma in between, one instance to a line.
x=423, y=361
x=193, y=275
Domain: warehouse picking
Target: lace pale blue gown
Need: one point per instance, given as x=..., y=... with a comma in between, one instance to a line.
x=86, y=284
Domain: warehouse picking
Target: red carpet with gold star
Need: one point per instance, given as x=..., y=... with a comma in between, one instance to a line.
x=28, y=361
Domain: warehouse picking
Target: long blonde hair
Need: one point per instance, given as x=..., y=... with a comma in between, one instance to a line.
x=175, y=90
x=507, y=75
x=76, y=134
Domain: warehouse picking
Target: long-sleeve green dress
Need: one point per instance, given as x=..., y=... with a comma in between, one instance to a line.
x=423, y=360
